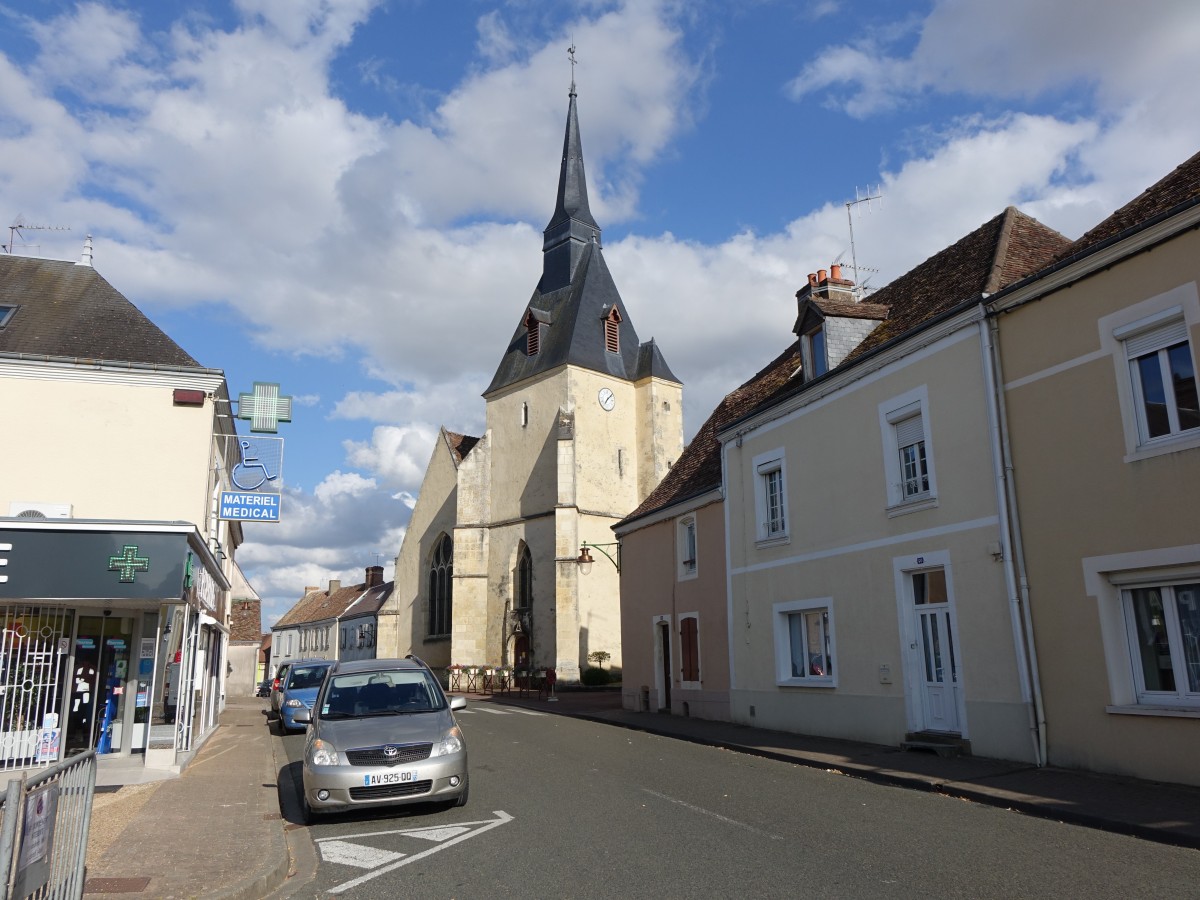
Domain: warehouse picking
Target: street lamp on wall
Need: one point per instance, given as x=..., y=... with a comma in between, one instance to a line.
x=585, y=559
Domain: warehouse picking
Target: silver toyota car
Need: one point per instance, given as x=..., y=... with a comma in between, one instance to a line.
x=382, y=733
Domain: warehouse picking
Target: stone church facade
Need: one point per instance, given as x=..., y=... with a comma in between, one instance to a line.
x=582, y=421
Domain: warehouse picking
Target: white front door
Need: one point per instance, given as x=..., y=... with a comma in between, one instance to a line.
x=937, y=652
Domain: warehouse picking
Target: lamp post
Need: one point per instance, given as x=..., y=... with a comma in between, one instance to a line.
x=585, y=559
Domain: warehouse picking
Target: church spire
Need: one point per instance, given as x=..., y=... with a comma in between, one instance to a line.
x=571, y=227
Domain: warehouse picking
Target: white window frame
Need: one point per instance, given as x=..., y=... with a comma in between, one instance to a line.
x=689, y=685
x=1178, y=305
x=1107, y=579
x=1177, y=652
x=893, y=414
x=764, y=467
x=687, y=569
x=781, y=620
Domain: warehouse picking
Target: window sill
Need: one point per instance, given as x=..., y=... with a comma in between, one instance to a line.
x=911, y=506
x=687, y=576
x=774, y=541
x=813, y=682
x=1178, y=712
x=1174, y=443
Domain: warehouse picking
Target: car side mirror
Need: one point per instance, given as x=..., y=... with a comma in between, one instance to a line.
x=302, y=717
x=458, y=702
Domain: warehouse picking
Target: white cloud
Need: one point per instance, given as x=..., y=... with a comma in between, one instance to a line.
x=398, y=454
x=338, y=484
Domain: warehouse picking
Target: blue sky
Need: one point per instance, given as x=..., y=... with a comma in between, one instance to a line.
x=347, y=196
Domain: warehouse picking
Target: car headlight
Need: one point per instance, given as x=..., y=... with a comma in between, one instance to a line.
x=294, y=703
x=451, y=742
x=321, y=753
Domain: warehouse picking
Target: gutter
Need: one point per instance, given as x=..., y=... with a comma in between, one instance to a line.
x=1012, y=547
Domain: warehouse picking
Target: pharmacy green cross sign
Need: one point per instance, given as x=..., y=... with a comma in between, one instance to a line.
x=264, y=408
x=128, y=563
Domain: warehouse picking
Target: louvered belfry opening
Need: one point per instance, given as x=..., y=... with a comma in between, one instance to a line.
x=612, y=331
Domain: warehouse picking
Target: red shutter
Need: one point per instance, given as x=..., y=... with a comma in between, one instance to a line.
x=689, y=649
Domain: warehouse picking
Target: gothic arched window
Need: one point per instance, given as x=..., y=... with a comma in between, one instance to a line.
x=441, y=587
x=524, y=578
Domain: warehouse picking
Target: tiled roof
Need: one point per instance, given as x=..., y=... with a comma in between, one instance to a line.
x=994, y=255
x=997, y=253
x=460, y=444
x=69, y=310
x=319, y=605
x=245, y=621
x=848, y=309
x=1182, y=185
x=698, y=469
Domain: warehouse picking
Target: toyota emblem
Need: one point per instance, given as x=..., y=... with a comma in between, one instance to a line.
x=391, y=751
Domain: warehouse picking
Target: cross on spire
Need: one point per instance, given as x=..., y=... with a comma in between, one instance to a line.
x=571, y=53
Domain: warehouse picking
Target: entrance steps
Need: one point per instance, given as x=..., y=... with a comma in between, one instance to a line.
x=945, y=745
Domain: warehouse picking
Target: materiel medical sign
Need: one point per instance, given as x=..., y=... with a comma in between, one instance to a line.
x=257, y=477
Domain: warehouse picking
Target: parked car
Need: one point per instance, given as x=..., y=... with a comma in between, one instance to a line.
x=298, y=690
x=263, y=688
x=277, y=688
x=382, y=733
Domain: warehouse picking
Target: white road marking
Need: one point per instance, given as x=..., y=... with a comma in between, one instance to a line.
x=718, y=816
x=507, y=711
x=363, y=857
x=502, y=818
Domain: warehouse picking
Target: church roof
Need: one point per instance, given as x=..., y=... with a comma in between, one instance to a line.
x=576, y=294
x=68, y=310
x=460, y=444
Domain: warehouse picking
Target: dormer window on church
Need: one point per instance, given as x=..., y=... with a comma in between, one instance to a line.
x=612, y=330
x=533, y=334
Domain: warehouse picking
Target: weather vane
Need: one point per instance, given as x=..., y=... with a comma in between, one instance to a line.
x=571, y=53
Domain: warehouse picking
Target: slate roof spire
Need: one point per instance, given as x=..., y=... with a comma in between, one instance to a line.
x=571, y=226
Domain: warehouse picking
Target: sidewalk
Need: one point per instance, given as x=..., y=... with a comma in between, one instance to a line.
x=216, y=831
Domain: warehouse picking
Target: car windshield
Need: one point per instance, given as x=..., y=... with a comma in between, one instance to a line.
x=307, y=677
x=380, y=693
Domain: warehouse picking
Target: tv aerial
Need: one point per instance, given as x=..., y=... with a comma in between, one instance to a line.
x=19, y=226
x=868, y=196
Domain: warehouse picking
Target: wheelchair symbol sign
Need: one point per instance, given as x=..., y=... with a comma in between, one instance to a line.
x=252, y=472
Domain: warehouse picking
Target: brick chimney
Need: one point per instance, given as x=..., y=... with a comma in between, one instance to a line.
x=827, y=285
x=374, y=576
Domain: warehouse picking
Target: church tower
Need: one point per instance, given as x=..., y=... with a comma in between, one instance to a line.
x=583, y=421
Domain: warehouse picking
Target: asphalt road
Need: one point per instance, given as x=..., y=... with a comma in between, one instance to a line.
x=562, y=807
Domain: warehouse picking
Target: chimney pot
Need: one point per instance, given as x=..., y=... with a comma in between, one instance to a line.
x=822, y=275
x=835, y=272
x=812, y=279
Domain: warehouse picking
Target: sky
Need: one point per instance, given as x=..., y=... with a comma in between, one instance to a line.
x=346, y=197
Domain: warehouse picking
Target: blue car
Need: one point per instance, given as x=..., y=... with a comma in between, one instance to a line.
x=299, y=690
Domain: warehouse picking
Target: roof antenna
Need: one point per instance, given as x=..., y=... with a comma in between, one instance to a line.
x=19, y=225
x=867, y=196
x=571, y=53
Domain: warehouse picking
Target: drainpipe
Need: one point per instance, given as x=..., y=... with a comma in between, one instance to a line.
x=1016, y=577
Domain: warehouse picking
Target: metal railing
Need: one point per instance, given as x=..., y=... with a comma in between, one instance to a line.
x=44, y=832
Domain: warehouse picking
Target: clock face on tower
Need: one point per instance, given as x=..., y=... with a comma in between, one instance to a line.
x=606, y=398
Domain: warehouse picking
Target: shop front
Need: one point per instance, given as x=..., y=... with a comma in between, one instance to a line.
x=112, y=638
